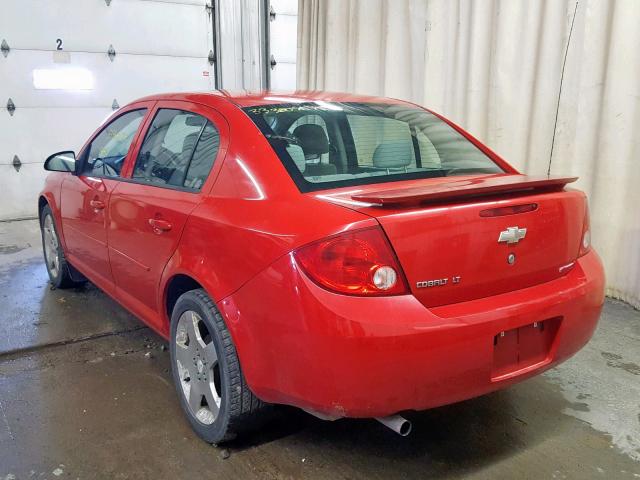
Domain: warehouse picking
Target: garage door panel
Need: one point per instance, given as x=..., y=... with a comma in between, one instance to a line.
x=283, y=77
x=20, y=190
x=160, y=46
x=283, y=38
x=125, y=79
x=283, y=34
x=42, y=131
x=285, y=7
x=146, y=27
x=134, y=77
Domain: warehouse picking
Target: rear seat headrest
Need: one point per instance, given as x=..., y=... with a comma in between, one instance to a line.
x=312, y=138
x=393, y=155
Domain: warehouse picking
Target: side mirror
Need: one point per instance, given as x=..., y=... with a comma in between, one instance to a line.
x=61, y=162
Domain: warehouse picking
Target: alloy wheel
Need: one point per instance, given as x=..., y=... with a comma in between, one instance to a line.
x=50, y=241
x=198, y=369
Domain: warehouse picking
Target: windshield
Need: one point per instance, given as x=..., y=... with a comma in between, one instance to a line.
x=328, y=144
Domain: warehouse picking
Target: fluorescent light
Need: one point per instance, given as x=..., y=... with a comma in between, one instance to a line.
x=275, y=98
x=63, y=79
x=328, y=106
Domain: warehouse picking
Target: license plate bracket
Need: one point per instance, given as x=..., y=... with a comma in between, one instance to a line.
x=522, y=347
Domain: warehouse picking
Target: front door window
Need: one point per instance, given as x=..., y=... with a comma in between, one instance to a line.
x=109, y=148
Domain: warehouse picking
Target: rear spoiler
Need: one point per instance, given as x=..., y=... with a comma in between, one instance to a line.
x=460, y=189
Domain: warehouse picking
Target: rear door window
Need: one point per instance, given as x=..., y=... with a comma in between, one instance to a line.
x=203, y=157
x=178, y=151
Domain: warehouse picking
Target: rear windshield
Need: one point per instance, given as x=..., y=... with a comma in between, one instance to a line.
x=328, y=145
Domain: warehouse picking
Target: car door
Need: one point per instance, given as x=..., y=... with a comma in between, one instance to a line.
x=85, y=197
x=149, y=208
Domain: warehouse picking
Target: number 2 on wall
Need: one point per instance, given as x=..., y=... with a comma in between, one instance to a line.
x=58, y=44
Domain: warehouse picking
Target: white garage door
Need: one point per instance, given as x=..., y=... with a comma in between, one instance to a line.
x=283, y=28
x=158, y=46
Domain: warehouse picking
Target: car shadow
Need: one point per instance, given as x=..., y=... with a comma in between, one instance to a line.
x=448, y=439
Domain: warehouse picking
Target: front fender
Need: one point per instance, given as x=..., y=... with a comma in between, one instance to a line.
x=52, y=194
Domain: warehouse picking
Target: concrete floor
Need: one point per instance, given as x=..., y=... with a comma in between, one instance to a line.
x=79, y=398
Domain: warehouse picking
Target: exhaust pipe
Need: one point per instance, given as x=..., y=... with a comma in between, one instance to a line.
x=398, y=424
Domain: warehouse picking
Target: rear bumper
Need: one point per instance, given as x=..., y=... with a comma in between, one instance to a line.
x=366, y=357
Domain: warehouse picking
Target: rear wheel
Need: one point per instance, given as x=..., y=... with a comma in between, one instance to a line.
x=57, y=266
x=213, y=392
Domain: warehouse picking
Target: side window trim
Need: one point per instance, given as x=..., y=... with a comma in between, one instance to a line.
x=416, y=147
x=156, y=185
x=193, y=152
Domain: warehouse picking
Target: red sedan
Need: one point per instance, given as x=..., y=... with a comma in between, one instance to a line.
x=352, y=256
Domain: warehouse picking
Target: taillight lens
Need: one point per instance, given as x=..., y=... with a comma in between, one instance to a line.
x=354, y=263
x=585, y=241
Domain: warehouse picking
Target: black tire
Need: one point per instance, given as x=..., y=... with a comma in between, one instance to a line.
x=60, y=277
x=239, y=409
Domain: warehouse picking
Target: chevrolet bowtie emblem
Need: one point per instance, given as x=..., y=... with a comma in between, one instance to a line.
x=512, y=235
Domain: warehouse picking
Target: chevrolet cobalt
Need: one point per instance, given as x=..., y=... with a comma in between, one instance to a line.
x=351, y=256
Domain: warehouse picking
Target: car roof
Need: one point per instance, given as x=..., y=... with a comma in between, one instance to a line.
x=253, y=98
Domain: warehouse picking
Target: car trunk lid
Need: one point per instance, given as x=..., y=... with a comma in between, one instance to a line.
x=463, y=238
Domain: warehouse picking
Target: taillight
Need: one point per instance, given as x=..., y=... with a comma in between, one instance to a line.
x=585, y=240
x=355, y=263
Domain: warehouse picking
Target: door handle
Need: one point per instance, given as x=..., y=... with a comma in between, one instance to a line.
x=159, y=226
x=97, y=204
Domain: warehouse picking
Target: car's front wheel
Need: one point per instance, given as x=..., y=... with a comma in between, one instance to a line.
x=57, y=266
x=213, y=392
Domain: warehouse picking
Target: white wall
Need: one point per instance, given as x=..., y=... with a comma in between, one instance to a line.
x=494, y=66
